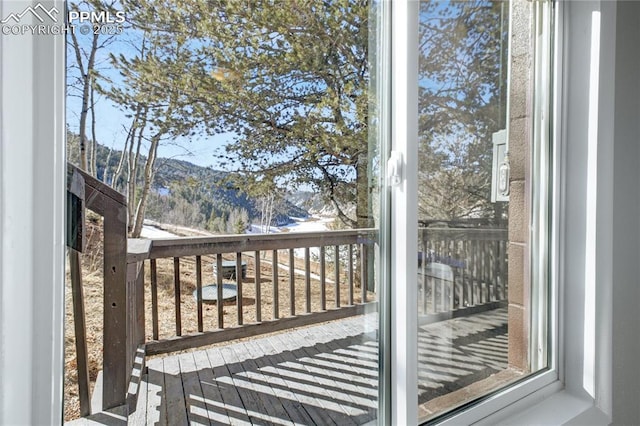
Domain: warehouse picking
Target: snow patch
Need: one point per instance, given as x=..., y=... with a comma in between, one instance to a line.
x=151, y=232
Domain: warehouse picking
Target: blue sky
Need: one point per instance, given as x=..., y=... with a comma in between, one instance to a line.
x=111, y=122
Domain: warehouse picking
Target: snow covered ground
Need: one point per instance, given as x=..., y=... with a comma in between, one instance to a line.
x=312, y=224
x=150, y=231
x=258, y=229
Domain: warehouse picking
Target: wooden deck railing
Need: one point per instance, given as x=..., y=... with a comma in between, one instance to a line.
x=461, y=270
x=332, y=269
x=119, y=345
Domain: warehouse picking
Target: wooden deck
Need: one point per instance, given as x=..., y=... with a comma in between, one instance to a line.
x=321, y=375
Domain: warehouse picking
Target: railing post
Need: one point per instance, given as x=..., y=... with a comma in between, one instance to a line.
x=138, y=250
x=76, y=240
x=120, y=319
x=135, y=311
x=115, y=307
x=81, y=335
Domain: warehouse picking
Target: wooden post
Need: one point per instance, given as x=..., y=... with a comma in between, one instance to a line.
x=154, y=298
x=135, y=304
x=81, y=334
x=219, y=301
x=350, y=273
x=239, y=286
x=323, y=281
x=258, y=289
x=199, y=291
x=292, y=284
x=464, y=273
x=424, y=283
x=76, y=241
x=307, y=279
x=116, y=372
x=138, y=250
x=274, y=262
x=364, y=279
x=337, y=275
x=176, y=290
x=113, y=207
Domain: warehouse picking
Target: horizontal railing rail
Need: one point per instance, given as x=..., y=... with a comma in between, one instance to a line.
x=319, y=276
x=461, y=270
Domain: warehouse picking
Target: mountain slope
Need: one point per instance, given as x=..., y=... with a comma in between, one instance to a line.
x=187, y=194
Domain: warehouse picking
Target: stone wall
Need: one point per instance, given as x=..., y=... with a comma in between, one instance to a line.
x=520, y=139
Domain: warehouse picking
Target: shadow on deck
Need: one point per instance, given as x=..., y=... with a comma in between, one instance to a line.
x=320, y=375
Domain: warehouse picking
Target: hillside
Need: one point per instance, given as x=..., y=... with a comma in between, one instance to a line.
x=190, y=195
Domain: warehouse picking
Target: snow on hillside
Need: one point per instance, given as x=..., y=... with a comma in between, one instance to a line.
x=313, y=224
x=150, y=232
x=153, y=229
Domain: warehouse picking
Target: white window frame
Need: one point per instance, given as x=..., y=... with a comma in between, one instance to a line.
x=32, y=126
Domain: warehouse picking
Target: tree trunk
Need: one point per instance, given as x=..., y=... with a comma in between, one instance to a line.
x=270, y=200
x=86, y=73
x=148, y=179
x=128, y=143
x=105, y=173
x=134, y=160
x=363, y=210
x=93, y=169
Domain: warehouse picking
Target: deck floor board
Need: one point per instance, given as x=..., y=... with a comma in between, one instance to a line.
x=175, y=397
x=216, y=411
x=230, y=395
x=335, y=406
x=278, y=380
x=156, y=406
x=292, y=407
x=273, y=405
x=325, y=374
x=139, y=416
x=311, y=402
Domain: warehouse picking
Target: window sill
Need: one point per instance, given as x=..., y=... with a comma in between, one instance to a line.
x=560, y=408
x=433, y=408
x=543, y=400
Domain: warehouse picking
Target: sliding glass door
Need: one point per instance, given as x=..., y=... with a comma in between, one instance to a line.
x=407, y=143
x=470, y=243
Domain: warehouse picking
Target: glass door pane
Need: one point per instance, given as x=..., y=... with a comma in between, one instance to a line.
x=474, y=176
x=246, y=138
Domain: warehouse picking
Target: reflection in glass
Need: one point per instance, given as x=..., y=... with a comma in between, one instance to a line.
x=472, y=336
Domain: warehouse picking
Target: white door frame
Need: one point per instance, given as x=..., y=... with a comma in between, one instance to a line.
x=404, y=213
x=32, y=212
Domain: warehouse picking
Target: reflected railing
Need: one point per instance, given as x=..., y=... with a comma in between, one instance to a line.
x=461, y=271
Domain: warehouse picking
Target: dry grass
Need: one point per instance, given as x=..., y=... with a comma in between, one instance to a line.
x=188, y=304
x=93, y=292
x=93, y=288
